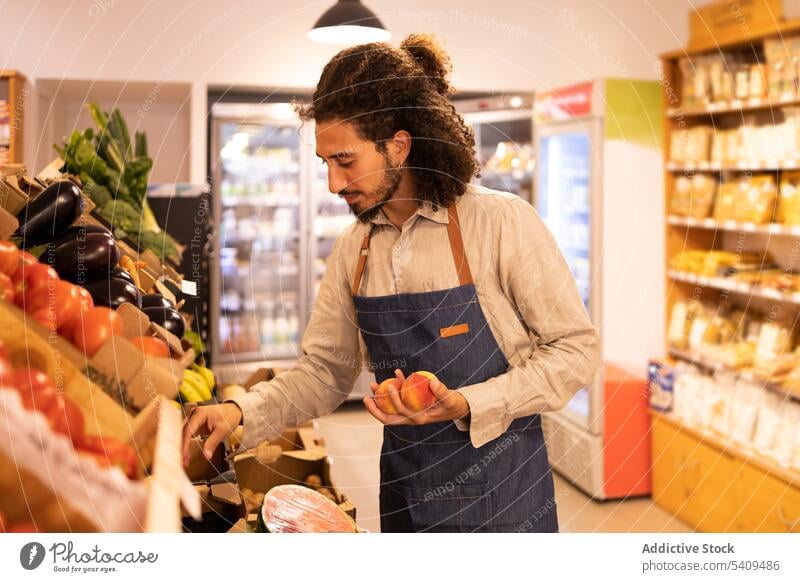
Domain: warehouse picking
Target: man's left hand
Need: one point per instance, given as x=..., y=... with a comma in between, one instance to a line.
x=449, y=405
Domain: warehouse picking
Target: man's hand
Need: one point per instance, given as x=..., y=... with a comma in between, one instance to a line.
x=449, y=405
x=217, y=421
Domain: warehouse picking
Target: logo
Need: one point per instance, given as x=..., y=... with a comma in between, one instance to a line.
x=31, y=555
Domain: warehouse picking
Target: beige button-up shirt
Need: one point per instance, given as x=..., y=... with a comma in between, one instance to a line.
x=525, y=289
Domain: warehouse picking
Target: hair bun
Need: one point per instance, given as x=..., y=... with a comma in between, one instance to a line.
x=426, y=50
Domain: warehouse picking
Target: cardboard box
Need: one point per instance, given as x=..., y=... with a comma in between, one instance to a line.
x=8, y=224
x=12, y=199
x=119, y=368
x=289, y=468
x=43, y=478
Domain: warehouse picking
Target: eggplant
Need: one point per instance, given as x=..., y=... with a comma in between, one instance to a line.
x=91, y=256
x=120, y=273
x=111, y=292
x=81, y=231
x=168, y=318
x=49, y=215
x=156, y=300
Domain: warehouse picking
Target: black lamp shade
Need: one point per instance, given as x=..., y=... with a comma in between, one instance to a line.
x=341, y=19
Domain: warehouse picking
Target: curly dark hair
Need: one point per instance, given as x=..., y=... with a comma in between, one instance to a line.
x=382, y=89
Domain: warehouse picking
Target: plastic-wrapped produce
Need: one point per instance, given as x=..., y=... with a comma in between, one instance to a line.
x=298, y=509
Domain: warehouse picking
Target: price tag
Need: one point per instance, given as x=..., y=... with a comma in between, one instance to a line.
x=189, y=288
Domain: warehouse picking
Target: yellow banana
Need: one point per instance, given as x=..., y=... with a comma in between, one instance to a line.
x=189, y=393
x=198, y=382
x=206, y=373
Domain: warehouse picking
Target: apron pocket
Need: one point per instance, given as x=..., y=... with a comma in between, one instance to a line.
x=448, y=508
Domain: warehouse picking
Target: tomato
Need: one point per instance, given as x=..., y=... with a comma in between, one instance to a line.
x=151, y=346
x=110, y=451
x=6, y=288
x=37, y=389
x=29, y=277
x=94, y=328
x=9, y=257
x=86, y=299
x=60, y=301
x=65, y=417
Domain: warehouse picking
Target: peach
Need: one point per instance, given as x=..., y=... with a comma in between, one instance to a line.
x=382, y=398
x=416, y=391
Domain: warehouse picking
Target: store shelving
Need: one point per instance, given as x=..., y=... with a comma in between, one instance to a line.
x=733, y=226
x=772, y=491
x=729, y=284
x=12, y=106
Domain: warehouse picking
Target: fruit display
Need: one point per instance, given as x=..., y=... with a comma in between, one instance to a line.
x=91, y=345
x=298, y=509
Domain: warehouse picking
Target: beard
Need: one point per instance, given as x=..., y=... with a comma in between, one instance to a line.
x=382, y=194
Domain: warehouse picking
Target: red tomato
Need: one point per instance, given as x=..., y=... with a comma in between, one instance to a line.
x=9, y=257
x=95, y=328
x=110, y=451
x=86, y=299
x=37, y=389
x=6, y=288
x=29, y=277
x=66, y=418
x=151, y=346
x=60, y=301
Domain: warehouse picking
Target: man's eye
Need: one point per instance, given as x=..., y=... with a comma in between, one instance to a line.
x=345, y=165
x=323, y=162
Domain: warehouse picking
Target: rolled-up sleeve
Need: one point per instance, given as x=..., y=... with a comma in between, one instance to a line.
x=325, y=373
x=566, y=352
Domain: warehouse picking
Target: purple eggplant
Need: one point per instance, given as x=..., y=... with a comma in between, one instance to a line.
x=120, y=273
x=49, y=215
x=111, y=292
x=156, y=300
x=167, y=317
x=79, y=259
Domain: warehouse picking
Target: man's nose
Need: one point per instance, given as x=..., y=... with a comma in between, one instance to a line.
x=336, y=180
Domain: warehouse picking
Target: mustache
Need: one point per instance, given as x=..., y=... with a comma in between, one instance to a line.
x=349, y=192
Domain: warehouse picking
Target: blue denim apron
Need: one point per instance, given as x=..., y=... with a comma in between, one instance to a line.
x=432, y=478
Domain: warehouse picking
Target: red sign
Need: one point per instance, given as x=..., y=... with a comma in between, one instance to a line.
x=566, y=103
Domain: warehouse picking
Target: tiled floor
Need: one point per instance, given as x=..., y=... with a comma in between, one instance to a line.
x=353, y=439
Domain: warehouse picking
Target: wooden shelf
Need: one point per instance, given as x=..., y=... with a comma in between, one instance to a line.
x=729, y=284
x=741, y=166
x=16, y=104
x=734, y=449
x=745, y=374
x=739, y=106
x=733, y=226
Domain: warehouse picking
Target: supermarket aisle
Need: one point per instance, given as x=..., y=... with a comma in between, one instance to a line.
x=353, y=439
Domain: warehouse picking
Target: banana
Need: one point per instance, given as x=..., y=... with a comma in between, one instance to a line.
x=198, y=383
x=206, y=373
x=189, y=393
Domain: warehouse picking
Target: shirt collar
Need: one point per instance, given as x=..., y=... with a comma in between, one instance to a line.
x=425, y=210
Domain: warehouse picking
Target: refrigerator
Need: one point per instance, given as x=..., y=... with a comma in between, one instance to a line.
x=276, y=224
x=503, y=128
x=598, y=189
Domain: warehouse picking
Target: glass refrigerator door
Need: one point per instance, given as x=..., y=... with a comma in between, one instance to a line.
x=505, y=150
x=563, y=200
x=330, y=216
x=259, y=182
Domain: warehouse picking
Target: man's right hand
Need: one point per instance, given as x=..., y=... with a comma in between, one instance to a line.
x=217, y=421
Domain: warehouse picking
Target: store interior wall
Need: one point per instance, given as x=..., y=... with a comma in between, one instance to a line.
x=508, y=45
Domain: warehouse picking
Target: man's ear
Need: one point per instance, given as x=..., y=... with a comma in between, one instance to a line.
x=400, y=146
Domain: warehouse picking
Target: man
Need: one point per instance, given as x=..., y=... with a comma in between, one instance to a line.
x=435, y=275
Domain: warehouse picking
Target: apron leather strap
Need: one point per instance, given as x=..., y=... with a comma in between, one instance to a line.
x=456, y=248
x=362, y=262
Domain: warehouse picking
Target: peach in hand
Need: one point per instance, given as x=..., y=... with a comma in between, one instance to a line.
x=382, y=399
x=416, y=391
